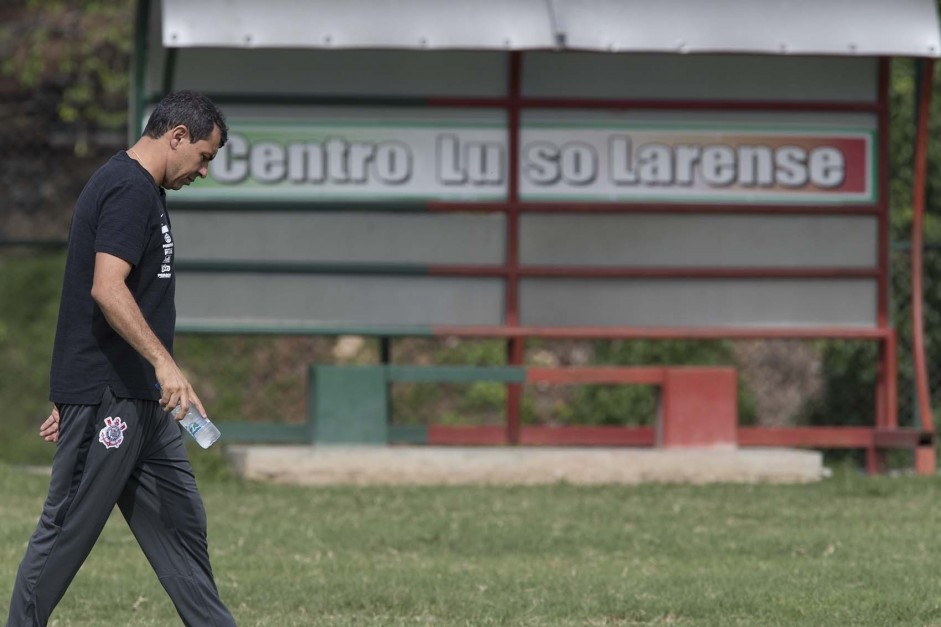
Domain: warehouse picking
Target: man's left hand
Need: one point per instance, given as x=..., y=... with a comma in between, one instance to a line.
x=49, y=430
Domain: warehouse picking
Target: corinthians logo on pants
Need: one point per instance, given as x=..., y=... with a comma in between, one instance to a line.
x=112, y=434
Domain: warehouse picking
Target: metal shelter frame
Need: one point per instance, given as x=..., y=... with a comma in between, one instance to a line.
x=563, y=30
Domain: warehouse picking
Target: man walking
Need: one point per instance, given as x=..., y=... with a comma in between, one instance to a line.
x=113, y=378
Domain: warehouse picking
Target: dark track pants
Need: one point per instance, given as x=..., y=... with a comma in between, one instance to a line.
x=130, y=453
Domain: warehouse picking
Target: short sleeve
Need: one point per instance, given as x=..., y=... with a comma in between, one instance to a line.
x=123, y=222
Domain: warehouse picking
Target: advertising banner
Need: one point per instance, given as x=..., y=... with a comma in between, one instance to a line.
x=768, y=158
x=683, y=162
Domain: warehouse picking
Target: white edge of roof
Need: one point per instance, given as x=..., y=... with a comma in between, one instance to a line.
x=905, y=28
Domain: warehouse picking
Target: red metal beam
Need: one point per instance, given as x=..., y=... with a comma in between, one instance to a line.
x=441, y=206
x=635, y=103
x=612, y=374
x=658, y=272
x=811, y=437
x=902, y=438
x=835, y=437
x=588, y=436
x=665, y=333
x=484, y=435
x=699, y=273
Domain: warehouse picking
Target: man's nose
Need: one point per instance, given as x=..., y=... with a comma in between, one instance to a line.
x=203, y=171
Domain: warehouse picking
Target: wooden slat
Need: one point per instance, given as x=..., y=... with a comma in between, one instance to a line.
x=263, y=432
x=455, y=374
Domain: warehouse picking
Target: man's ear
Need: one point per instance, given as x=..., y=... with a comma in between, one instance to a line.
x=177, y=135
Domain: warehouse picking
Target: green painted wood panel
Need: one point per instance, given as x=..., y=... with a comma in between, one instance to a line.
x=349, y=405
x=456, y=374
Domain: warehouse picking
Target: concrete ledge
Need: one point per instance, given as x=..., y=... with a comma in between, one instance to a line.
x=386, y=465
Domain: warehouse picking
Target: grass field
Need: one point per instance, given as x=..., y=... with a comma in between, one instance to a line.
x=848, y=551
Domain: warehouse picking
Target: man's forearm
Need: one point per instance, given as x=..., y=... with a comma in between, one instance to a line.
x=125, y=317
x=110, y=292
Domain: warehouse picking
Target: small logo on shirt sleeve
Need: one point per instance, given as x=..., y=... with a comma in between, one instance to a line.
x=112, y=434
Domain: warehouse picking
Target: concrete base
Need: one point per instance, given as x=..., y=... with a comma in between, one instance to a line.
x=374, y=465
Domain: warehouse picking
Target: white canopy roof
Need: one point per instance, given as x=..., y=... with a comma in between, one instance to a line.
x=804, y=27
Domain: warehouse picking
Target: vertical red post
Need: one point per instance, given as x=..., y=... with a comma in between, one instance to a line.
x=892, y=374
x=514, y=393
x=885, y=371
x=924, y=455
x=883, y=198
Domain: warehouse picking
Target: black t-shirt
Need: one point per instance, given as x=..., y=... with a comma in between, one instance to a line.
x=121, y=212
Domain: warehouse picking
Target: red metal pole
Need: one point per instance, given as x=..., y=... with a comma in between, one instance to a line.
x=892, y=375
x=514, y=393
x=883, y=199
x=876, y=457
x=531, y=206
x=656, y=104
x=924, y=455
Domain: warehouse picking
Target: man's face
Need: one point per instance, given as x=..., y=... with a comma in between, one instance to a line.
x=191, y=160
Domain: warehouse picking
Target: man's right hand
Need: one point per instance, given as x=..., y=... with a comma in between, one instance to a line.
x=175, y=389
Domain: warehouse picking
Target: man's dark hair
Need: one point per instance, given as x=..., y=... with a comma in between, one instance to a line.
x=191, y=109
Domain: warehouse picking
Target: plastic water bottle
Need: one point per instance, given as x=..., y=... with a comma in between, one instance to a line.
x=198, y=426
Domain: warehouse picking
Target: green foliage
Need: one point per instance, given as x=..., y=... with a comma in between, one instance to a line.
x=849, y=367
x=82, y=50
x=482, y=402
x=904, y=90
x=29, y=299
x=848, y=396
x=637, y=405
x=255, y=378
